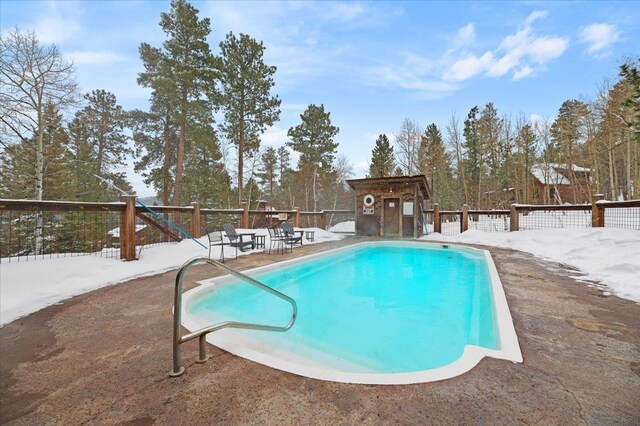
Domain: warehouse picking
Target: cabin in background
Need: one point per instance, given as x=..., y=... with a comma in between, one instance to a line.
x=390, y=206
x=557, y=184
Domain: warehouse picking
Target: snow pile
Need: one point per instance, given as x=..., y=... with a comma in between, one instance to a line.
x=348, y=226
x=27, y=287
x=610, y=256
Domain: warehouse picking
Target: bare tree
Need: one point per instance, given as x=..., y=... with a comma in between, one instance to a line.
x=32, y=76
x=408, y=142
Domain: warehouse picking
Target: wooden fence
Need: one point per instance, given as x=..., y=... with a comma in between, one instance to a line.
x=35, y=229
x=600, y=213
x=124, y=219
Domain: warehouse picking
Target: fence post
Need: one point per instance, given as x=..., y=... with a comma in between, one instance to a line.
x=464, y=225
x=296, y=218
x=128, y=228
x=597, y=211
x=196, y=225
x=323, y=220
x=436, y=218
x=245, y=215
x=514, y=224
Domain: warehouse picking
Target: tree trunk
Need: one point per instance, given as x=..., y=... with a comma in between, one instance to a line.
x=166, y=164
x=177, y=190
x=240, y=156
x=39, y=241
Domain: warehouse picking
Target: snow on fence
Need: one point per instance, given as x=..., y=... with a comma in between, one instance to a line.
x=37, y=229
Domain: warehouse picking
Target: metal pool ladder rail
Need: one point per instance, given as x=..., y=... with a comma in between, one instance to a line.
x=201, y=334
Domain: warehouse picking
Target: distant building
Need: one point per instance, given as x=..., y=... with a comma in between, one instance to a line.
x=554, y=183
x=390, y=206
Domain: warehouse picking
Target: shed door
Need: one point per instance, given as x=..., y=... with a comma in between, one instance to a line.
x=392, y=217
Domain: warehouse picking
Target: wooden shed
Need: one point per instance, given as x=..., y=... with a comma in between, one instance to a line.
x=390, y=206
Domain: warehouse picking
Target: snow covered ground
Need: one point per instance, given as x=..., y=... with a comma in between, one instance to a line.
x=607, y=255
x=27, y=287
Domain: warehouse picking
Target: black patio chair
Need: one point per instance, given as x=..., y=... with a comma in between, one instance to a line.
x=216, y=238
x=277, y=236
x=292, y=234
x=238, y=239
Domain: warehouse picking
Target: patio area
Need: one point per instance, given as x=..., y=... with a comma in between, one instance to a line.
x=104, y=357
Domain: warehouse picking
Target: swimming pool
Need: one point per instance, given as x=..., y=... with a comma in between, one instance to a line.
x=375, y=312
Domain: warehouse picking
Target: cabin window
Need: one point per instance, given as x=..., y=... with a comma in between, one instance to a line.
x=552, y=194
x=536, y=193
x=407, y=208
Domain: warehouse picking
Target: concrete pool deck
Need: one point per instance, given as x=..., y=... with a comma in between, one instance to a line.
x=103, y=357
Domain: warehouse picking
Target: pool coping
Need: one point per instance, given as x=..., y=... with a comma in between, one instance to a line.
x=260, y=352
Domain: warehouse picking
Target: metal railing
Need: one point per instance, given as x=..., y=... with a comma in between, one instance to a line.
x=178, y=339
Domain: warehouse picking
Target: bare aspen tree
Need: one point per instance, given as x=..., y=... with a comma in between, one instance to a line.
x=408, y=142
x=32, y=76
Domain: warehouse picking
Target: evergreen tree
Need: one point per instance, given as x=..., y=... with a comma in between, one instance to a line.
x=382, y=158
x=435, y=163
x=103, y=152
x=269, y=173
x=313, y=139
x=182, y=78
x=473, y=152
x=248, y=105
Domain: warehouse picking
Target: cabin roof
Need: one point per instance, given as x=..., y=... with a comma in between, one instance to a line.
x=552, y=173
x=420, y=180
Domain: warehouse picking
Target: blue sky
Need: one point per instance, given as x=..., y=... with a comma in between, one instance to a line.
x=372, y=64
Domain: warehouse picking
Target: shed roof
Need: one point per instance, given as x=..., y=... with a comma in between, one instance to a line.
x=420, y=180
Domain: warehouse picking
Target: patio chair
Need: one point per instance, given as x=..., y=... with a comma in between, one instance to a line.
x=295, y=236
x=276, y=236
x=216, y=238
x=237, y=240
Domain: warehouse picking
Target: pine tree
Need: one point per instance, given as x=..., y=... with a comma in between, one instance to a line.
x=269, y=173
x=382, y=158
x=248, y=105
x=103, y=152
x=473, y=152
x=435, y=163
x=313, y=139
x=182, y=77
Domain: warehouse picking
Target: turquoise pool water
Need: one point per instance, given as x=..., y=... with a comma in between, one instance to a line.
x=380, y=308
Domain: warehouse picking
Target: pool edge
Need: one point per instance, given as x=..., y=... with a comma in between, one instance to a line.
x=246, y=347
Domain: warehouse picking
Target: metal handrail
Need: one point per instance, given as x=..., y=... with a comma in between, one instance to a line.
x=178, y=339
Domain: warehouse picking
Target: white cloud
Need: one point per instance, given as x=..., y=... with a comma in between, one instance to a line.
x=469, y=67
x=343, y=12
x=598, y=37
x=55, y=29
x=465, y=35
x=88, y=57
x=536, y=14
x=521, y=54
x=522, y=72
x=274, y=135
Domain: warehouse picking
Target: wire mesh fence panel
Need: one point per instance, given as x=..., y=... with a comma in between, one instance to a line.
x=212, y=221
x=428, y=221
x=310, y=220
x=450, y=223
x=545, y=219
x=263, y=219
x=149, y=235
x=622, y=217
x=489, y=222
x=31, y=235
x=341, y=222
